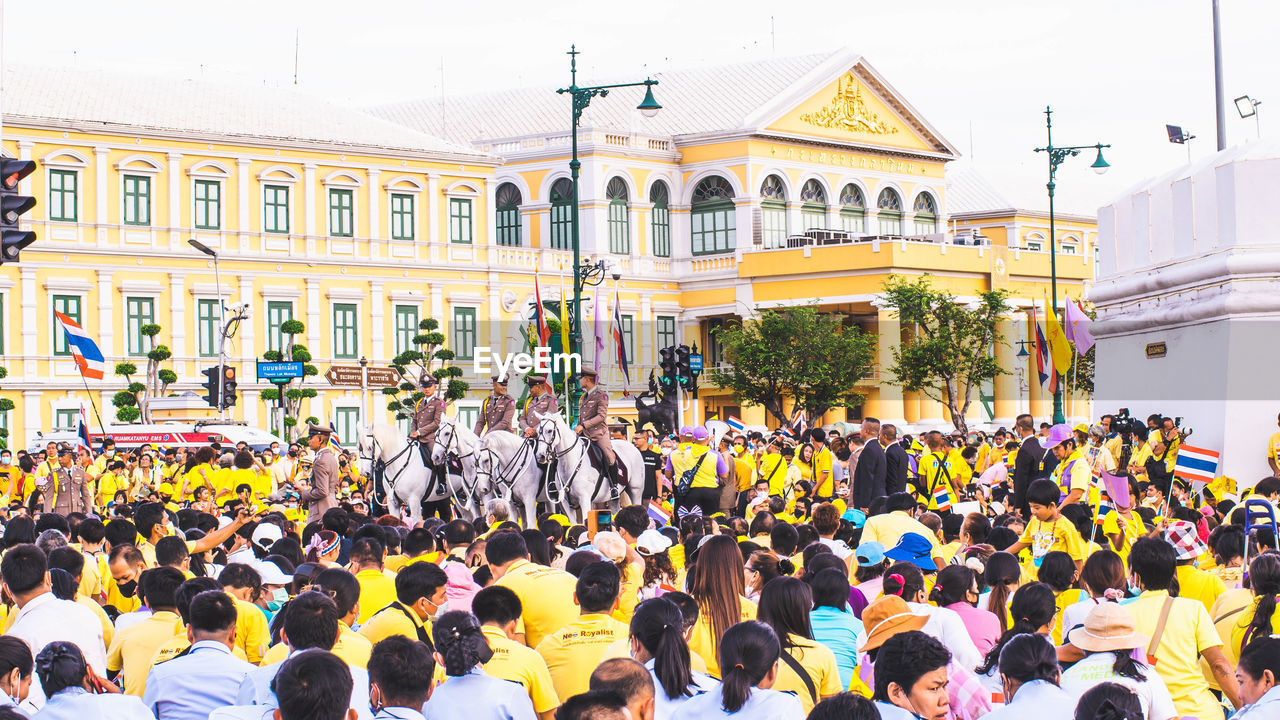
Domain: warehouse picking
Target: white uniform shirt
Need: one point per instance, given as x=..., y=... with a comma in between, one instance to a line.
x=760, y=705
x=78, y=704
x=255, y=689
x=1157, y=703
x=190, y=687
x=47, y=619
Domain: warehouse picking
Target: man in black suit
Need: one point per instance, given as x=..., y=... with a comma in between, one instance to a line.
x=1026, y=465
x=869, y=476
x=896, y=462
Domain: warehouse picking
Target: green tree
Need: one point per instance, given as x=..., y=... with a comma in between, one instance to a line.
x=294, y=392
x=948, y=350
x=798, y=353
x=133, y=403
x=428, y=356
x=5, y=406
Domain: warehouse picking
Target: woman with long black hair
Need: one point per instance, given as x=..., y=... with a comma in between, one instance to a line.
x=1260, y=618
x=749, y=653
x=470, y=693
x=73, y=690
x=16, y=665
x=716, y=582
x=1029, y=674
x=808, y=668
x=657, y=641
x=1032, y=611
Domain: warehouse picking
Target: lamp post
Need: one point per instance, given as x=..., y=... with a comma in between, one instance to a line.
x=364, y=391
x=222, y=320
x=1056, y=156
x=588, y=273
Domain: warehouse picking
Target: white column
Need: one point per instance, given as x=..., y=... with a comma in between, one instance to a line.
x=102, y=191
x=24, y=153
x=376, y=242
x=634, y=218
x=433, y=211
x=178, y=321
x=32, y=402
x=30, y=324
x=490, y=221
x=106, y=315
x=247, y=348
x=309, y=206
x=313, y=320
x=681, y=232
x=495, y=314
x=833, y=217
x=175, y=200
x=437, y=308
x=742, y=210
x=377, y=313
x=250, y=401
x=795, y=223
x=244, y=199
x=646, y=339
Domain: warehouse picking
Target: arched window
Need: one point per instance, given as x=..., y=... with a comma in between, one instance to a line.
x=813, y=210
x=853, y=210
x=926, y=211
x=619, y=225
x=773, y=212
x=713, y=225
x=507, y=214
x=889, y=212
x=660, y=220
x=562, y=214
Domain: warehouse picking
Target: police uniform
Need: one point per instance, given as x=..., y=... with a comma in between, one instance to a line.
x=497, y=412
x=543, y=404
x=426, y=418
x=593, y=411
x=323, y=493
x=70, y=492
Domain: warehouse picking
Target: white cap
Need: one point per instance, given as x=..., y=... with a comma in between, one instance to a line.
x=265, y=535
x=271, y=573
x=652, y=542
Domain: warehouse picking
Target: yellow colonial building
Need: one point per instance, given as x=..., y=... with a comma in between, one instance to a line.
x=786, y=181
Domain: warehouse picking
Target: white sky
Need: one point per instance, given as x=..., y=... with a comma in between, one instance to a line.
x=981, y=71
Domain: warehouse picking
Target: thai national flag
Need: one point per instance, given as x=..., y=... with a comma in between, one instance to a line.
x=1044, y=359
x=799, y=422
x=82, y=435
x=84, y=351
x=942, y=497
x=1197, y=465
x=620, y=345
x=735, y=424
x=1104, y=508
x=658, y=513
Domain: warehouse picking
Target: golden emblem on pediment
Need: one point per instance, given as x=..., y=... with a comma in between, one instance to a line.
x=848, y=111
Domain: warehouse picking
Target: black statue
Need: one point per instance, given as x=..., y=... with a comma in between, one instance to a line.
x=657, y=408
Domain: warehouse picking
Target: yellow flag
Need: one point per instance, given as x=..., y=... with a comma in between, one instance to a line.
x=564, y=326
x=1059, y=347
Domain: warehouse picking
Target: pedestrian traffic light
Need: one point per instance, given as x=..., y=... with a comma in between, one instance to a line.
x=211, y=385
x=12, y=205
x=667, y=362
x=228, y=387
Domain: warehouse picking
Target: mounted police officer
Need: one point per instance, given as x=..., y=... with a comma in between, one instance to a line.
x=593, y=410
x=498, y=410
x=426, y=417
x=541, y=402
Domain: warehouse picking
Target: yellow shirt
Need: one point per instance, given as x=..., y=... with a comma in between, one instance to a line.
x=91, y=579
x=1079, y=478
x=352, y=647
x=253, y=635
x=822, y=473
x=819, y=663
x=773, y=469
x=629, y=595
x=1060, y=601
x=889, y=528
x=691, y=456
x=393, y=621
x=1188, y=632
x=133, y=647
x=516, y=663
x=1058, y=534
x=109, y=483
x=703, y=644
x=200, y=475
x=546, y=595
x=376, y=592
x=574, y=651
x=1273, y=448
x=742, y=471
x=108, y=630
x=1130, y=529
x=961, y=471
x=1199, y=585
x=935, y=472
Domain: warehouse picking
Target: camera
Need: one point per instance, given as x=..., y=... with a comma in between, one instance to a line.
x=1129, y=427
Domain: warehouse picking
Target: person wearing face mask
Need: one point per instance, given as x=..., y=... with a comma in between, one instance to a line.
x=275, y=590
x=10, y=477
x=153, y=523
x=400, y=677
x=16, y=664
x=1029, y=676
x=420, y=600
x=244, y=584
x=126, y=565
x=310, y=622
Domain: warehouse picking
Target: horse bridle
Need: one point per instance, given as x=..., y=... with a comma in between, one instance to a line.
x=452, y=442
x=516, y=461
x=374, y=464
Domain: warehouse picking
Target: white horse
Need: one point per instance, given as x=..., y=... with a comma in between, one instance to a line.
x=405, y=477
x=577, y=478
x=454, y=438
x=505, y=468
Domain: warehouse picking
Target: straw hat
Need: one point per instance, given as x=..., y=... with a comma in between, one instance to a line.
x=887, y=617
x=610, y=544
x=1109, y=626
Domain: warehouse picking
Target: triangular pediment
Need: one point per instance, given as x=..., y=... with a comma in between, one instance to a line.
x=852, y=103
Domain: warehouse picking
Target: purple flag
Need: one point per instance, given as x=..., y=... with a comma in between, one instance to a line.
x=597, y=324
x=1078, y=326
x=1117, y=488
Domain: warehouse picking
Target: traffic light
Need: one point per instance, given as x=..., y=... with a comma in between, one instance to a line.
x=211, y=385
x=228, y=387
x=12, y=206
x=667, y=362
x=683, y=374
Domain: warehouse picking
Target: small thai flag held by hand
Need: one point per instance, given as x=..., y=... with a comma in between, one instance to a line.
x=942, y=497
x=1104, y=508
x=735, y=424
x=659, y=514
x=84, y=351
x=1197, y=466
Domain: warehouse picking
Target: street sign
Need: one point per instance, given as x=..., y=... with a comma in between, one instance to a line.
x=279, y=371
x=695, y=363
x=350, y=376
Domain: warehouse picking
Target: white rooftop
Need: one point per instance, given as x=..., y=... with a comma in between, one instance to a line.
x=88, y=97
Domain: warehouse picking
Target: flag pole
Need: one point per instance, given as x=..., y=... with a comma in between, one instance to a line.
x=94, y=405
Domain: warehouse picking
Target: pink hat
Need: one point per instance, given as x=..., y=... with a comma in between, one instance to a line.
x=1058, y=434
x=700, y=433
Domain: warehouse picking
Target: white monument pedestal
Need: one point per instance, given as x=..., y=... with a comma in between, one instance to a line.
x=1188, y=299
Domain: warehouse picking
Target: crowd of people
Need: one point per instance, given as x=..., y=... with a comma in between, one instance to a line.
x=780, y=577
